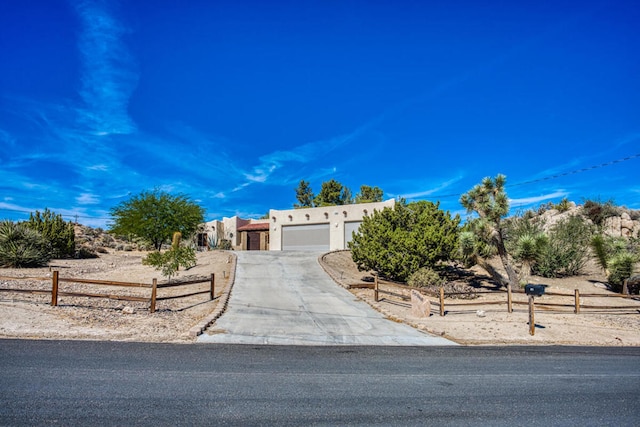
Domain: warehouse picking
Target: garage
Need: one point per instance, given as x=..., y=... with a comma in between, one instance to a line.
x=311, y=237
x=349, y=229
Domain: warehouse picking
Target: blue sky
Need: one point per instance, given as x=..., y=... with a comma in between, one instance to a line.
x=234, y=102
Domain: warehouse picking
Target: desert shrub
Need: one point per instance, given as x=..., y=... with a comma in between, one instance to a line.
x=567, y=252
x=518, y=226
x=59, y=234
x=424, y=278
x=616, y=257
x=20, y=246
x=530, y=248
x=170, y=261
x=225, y=245
x=563, y=206
x=85, y=252
x=467, y=250
x=620, y=269
x=395, y=242
x=597, y=211
x=545, y=207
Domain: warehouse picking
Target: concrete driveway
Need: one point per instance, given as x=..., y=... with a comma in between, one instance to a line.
x=286, y=298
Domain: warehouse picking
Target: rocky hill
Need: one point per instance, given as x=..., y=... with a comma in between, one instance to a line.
x=92, y=241
x=614, y=221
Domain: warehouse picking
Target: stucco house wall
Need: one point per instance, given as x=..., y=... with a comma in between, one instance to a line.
x=337, y=218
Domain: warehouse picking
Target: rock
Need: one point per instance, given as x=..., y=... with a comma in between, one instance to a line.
x=128, y=310
x=481, y=313
x=612, y=226
x=420, y=305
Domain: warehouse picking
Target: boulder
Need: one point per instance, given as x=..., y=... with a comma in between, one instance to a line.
x=420, y=305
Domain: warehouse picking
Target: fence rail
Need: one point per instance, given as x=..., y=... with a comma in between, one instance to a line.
x=577, y=305
x=56, y=280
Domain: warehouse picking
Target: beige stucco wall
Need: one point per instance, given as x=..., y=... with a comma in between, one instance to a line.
x=335, y=216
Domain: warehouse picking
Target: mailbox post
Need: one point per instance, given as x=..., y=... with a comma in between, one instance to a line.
x=533, y=291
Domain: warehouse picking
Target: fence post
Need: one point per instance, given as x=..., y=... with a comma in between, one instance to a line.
x=441, y=301
x=154, y=290
x=532, y=322
x=54, y=289
x=509, y=300
x=213, y=285
x=375, y=289
x=577, y=302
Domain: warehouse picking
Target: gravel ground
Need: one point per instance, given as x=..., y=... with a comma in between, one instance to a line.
x=26, y=315
x=488, y=324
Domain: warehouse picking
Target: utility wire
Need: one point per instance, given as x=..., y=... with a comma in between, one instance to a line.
x=436, y=196
x=555, y=176
x=573, y=172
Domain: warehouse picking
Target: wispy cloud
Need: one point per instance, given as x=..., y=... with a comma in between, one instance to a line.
x=109, y=75
x=537, y=199
x=100, y=167
x=271, y=163
x=87, y=199
x=627, y=139
x=431, y=191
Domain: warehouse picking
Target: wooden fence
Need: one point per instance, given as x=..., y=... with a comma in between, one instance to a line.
x=509, y=302
x=56, y=280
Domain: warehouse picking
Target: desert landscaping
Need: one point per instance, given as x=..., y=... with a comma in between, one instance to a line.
x=31, y=316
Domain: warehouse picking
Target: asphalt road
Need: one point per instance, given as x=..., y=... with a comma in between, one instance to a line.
x=286, y=298
x=106, y=383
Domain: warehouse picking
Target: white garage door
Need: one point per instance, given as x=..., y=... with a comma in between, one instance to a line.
x=349, y=229
x=314, y=237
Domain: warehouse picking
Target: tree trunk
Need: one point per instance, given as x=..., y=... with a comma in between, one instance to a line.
x=512, y=277
x=495, y=274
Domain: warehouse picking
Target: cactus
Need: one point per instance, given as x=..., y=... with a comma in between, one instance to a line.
x=175, y=242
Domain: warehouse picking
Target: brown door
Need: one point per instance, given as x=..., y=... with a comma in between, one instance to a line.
x=253, y=241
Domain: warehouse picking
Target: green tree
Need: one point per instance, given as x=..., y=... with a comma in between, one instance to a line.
x=369, y=194
x=304, y=195
x=155, y=216
x=396, y=242
x=21, y=246
x=56, y=231
x=489, y=200
x=333, y=193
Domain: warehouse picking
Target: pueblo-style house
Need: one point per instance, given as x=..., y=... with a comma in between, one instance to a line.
x=319, y=229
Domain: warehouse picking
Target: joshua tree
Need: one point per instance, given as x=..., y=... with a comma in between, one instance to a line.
x=489, y=200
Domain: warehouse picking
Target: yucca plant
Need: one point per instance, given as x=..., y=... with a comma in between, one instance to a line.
x=529, y=249
x=21, y=246
x=615, y=258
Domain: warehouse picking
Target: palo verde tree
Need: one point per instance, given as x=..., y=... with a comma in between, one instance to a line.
x=489, y=200
x=155, y=216
x=396, y=242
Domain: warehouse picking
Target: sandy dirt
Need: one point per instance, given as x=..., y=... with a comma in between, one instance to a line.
x=26, y=315
x=490, y=324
